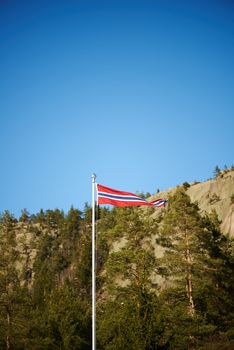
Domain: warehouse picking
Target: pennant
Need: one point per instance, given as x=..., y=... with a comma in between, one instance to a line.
x=118, y=198
x=160, y=202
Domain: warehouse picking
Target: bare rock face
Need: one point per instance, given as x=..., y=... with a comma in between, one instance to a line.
x=216, y=194
x=213, y=194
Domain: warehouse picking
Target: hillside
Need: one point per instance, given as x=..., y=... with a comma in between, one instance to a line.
x=164, y=275
x=213, y=194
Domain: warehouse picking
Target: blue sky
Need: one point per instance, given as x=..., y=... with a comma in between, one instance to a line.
x=139, y=92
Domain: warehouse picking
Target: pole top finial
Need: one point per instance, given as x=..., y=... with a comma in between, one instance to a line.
x=94, y=177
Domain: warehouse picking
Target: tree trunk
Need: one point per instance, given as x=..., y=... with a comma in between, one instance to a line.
x=8, y=343
x=189, y=286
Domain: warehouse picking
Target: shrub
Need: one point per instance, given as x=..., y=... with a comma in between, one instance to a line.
x=186, y=185
x=214, y=198
x=232, y=198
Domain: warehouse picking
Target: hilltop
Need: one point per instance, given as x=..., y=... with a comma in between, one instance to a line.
x=215, y=194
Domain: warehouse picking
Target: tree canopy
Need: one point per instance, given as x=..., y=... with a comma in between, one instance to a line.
x=180, y=298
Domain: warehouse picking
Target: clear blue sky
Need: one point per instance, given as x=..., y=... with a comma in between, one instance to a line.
x=139, y=92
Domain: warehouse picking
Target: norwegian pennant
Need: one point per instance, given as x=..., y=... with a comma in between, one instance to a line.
x=107, y=195
x=118, y=198
x=161, y=202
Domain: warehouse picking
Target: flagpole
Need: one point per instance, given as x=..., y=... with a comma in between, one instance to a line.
x=93, y=267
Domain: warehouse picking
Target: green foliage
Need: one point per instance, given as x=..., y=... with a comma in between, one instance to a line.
x=180, y=235
x=14, y=299
x=24, y=216
x=68, y=320
x=186, y=185
x=177, y=294
x=131, y=265
x=134, y=324
x=210, y=264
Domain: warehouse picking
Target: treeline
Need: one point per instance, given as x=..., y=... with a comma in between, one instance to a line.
x=163, y=281
x=45, y=280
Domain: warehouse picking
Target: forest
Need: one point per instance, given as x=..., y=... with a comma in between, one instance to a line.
x=163, y=282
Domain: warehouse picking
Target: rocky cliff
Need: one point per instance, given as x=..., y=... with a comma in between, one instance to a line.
x=213, y=194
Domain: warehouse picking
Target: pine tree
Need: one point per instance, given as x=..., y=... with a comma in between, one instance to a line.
x=196, y=263
x=216, y=295
x=184, y=265
x=68, y=320
x=180, y=236
x=14, y=299
x=217, y=172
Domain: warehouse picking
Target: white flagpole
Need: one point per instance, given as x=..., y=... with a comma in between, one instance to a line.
x=93, y=267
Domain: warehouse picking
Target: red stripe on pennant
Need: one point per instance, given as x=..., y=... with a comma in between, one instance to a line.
x=121, y=203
